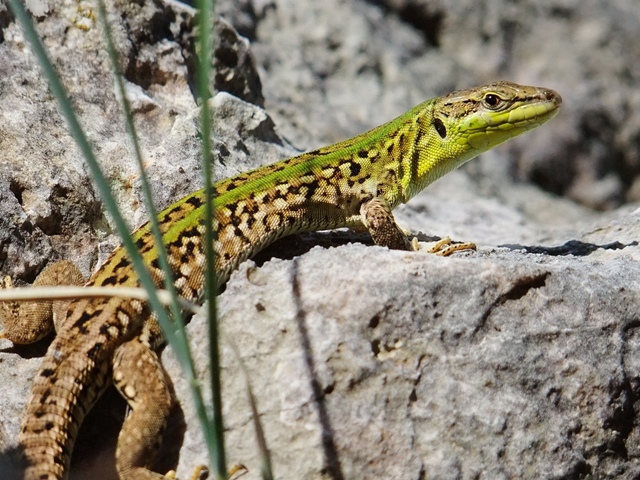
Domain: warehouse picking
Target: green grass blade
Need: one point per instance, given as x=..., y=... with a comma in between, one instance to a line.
x=173, y=337
x=181, y=348
x=203, y=72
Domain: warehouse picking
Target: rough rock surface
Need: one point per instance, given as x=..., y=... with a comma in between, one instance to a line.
x=518, y=361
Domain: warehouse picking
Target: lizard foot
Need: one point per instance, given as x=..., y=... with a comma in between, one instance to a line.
x=202, y=473
x=236, y=471
x=199, y=473
x=444, y=247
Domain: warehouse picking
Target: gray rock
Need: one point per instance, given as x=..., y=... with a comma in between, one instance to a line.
x=504, y=364
x=518, y=361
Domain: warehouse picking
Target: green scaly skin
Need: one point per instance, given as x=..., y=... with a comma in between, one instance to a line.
x=353, y=183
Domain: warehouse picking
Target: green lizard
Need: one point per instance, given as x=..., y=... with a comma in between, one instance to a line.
x=353, y=183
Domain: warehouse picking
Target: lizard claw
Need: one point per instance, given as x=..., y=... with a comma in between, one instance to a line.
x=445, y=247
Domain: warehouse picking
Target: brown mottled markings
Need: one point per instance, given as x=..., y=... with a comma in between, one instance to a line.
x=148, y=245
x=94, y=351
x=177, y=209
x=252, y=206
x=312, y=187
x=355, y=168
x=250, y=221
x=415, y=158
x=268, y=197
x=280, y=193
x=227, y=187
x=234, y=209
x=81, y=325
x=402, y=142
x=238, y=210
x=329, y=172
x=84, y=318
x=236, y=220
x=266, y=227
x=122, y=264
x=195, y=201
x=401, y=169
x=296, y=191
x=112, y=280
x=47, y=372
x=190, y=232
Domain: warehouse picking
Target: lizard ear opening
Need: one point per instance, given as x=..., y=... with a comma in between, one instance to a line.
x=440, y=128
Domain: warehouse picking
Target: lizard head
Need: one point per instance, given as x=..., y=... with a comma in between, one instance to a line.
x=480, y=118
x=459, y=126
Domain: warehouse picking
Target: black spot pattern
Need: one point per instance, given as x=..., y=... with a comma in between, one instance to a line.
x=82, y=324
x=196, y=201
x=94, y=351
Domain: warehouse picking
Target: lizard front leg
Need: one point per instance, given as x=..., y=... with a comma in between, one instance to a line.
x=377, y=217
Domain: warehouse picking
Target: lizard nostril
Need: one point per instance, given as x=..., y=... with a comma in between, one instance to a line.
x=552, y=95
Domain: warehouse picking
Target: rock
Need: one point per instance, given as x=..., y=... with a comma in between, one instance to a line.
x=504, y=364
x=518, y=361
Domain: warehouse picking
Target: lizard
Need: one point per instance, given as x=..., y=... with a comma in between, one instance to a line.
x=354, y=183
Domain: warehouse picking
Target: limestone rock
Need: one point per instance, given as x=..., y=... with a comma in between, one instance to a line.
x=518, y=361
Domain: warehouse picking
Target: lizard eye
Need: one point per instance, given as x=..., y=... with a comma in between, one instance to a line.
x=491, y=100
x=440, y=128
